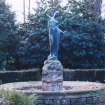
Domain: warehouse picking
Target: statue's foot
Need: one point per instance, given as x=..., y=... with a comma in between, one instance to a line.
x=52, y=57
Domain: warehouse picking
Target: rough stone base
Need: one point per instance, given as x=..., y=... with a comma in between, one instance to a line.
x=52, y=76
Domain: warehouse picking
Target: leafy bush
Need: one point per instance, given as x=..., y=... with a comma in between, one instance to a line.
x=84, y=46
x=16, y=97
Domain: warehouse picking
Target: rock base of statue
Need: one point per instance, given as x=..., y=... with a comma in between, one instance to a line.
x=52, y=75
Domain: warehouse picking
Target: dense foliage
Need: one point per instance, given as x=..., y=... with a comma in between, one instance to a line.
x=84, y=46
x=7, y=31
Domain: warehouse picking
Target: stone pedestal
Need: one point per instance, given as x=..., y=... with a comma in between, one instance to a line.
x=52, y=75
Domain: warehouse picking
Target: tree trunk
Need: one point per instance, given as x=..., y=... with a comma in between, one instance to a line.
x=29, y=8
x=24, y=10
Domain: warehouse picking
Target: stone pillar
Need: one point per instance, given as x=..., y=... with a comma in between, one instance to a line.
x=52, y=75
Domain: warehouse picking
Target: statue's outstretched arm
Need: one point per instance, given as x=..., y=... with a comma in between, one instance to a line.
x=55, y=13
x=60, y=30
x=48, y=16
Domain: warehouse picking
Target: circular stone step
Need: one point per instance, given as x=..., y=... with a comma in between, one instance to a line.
x=73, y=93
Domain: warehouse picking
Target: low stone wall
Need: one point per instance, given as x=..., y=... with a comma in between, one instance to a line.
x=69, y=75
x=85, y=75
x=17, y=76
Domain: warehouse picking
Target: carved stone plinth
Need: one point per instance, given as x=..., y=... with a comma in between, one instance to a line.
x=52, y=75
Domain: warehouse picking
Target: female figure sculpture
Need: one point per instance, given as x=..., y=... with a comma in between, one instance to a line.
x=54, y=36
x=52, y=73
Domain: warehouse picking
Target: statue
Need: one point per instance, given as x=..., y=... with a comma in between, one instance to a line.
x=54, y=36
x=52, y=71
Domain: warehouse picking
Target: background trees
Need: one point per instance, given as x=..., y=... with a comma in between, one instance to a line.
x=7, y=28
